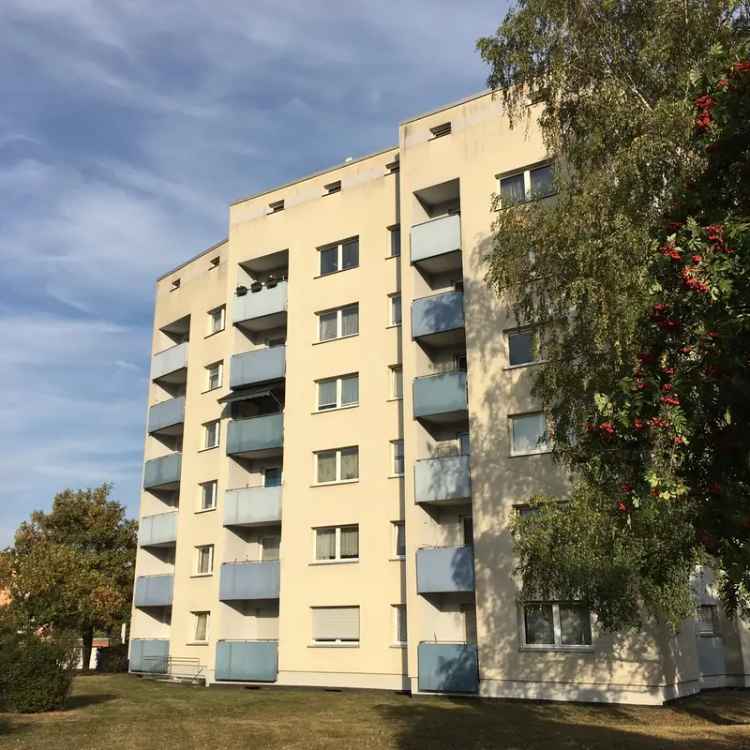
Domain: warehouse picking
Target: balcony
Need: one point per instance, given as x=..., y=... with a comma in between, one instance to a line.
x=257, y=367
x=149, y=655
x=252, y=506
x=436, y=244
x=246, y=581
x=442, y=481
x=153, y=591
x=447, y=667
x=247, y=661
x=438, y=320
x=257, y=437
x=162, y=473
x=170, y=365
x=441, y=398
x=262, y=310
x=445, y=570
x=159, y=530
x=167, y=417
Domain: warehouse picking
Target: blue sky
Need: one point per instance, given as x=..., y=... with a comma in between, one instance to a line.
x=126, y=127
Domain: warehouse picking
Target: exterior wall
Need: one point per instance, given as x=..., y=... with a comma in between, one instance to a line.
x=437, y=177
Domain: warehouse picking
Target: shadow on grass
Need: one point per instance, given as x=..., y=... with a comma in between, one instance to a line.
x=724, y=708
x=84, y=701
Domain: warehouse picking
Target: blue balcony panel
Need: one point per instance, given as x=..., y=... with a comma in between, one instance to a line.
x=262, y=310
x=170, y=365
x=163, y=473
x=257, y=437
x=442, y=480
x=447, y=667
x=167, y=417
x=252, y=506
x=441, y=398
x=257, y=367
x=438, y=320
x=436, y=244
x=159, y=530
x=247, y=581
x=445, y=570
x=149, y=655
x=247, y=661
x=153, y=591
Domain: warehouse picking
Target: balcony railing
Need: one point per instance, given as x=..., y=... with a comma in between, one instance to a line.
x=436, y=244
x=442, y=480
x=259, y=366
x=445, y=570
x=162, y=473
x=247, y=661
x=438, y=319
x=169, y=361
x=257, y=436
x=159, y=530
x=252, y=506
x=153, y=591
x=447, y=667
x=167, y=414
x=149, y=655
x=441, y=397
x=261, y=310
x=244, y=581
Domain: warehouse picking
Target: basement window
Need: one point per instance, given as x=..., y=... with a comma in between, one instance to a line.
x=440, y=130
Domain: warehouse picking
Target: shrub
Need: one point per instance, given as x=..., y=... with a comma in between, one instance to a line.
x=113, y=658
x=36, y=673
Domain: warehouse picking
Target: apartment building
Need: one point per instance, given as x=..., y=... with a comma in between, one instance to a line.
x=340, y=429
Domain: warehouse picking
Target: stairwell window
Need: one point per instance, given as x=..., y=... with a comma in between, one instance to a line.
x=216, y=319
x=214, y=375
x=200, y=620
x=204, y=560
x=399, y=539
x=556, y=625
x=337, y=393
x=394, y=304
x=336, y=543
x=211, y=434
x=397, y=381
x=340, y=256
x=335, y=626
x=397, y=457
x=208, y=495
x=395, y=240
x=529, y=434
x=339, y=465
x=338, y=323
x=708, y=620
x=399, y=625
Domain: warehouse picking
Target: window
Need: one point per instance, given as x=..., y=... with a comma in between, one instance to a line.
x=397, y=381
x=395, y=236
x=399, y=539
x=440, y=130
x=464, y=444
x=338, y=465
x=275, y=207
x=553, y=624
x=397, y=457
x=470, y=623
x=529, y=184
x=208, y=495
x=523, y=347
x=272, y=476
x=201, y=626
x=214, y=263
x=269, y=547
x=216, y=319
x=528, y=434
x=211, y=434
x=339, y=257
x=332, y=187
x=335, y=625
x=337, y=543
x=214, y=374
x=467, y=528
x=708, y=620
x=335, y=324
x=175, y=285
x=335, y=393
x=399, y=624
x=204, y=560
x=395, y=309
x=459, y=361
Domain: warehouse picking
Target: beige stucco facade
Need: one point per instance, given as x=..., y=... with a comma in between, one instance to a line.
x=262, y=606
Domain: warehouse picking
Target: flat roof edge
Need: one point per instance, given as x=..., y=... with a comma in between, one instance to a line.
x=312, y=176
x=190, y=260
x=442, y=108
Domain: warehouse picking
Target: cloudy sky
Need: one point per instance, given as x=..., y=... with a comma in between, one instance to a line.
x=126, y=127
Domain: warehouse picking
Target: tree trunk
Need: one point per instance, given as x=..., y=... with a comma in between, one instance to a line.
x=87, y=642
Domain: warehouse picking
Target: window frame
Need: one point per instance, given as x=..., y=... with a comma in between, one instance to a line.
x=339, y=642
x=394, y=240
x=196, y=618
x=396, y=373
x=338, y=452
x=338, y=403
x=395, y=526
x=536, y=345
x=399, y=616
x=215, y=493
x=339, y=322
x=222, y=310
x=206, y=432
x=219, y=368
x=557, y=645
x=394, y=304
x=526, y=173
x=542, y=449
x=339, y=248
x=394, y=444
x=715, y=625
x=337, y=558
x=196, y=564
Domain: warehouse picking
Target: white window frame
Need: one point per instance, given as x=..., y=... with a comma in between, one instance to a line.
x=214, y=485
x=537, y=344
x=212, y=327
x=558, y=645
x=196, y=563
x=542, y=448
x=396, y=372
x=337, y=545
x=206, y=434
x=341, y=642
x=339, y=246
x=526, y=172
x=394, y=445
x=217, y=367
x=196, y=617
x=339, y=389
x=715, y=628
x=339, y=322
x=394, y=300
x=338, y=479
x=393, y=233
x=399, y=614
x=395, y=526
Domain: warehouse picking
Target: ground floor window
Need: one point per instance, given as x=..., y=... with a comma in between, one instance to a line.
x=555, y=624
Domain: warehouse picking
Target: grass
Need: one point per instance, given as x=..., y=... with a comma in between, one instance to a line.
x=125, y=713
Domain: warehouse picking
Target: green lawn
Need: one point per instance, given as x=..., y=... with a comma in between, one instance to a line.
x=124, y=713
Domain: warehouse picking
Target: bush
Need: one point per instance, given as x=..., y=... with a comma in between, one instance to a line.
x=35, y=673
x=113, y=658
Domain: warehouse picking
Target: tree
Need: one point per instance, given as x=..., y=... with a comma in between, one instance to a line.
x=653, y=165
x=72, y=568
